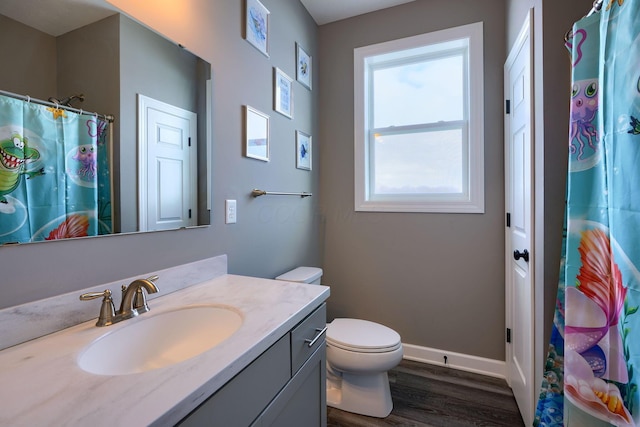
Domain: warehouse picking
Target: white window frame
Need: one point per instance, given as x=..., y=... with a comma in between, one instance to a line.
x=472, y=199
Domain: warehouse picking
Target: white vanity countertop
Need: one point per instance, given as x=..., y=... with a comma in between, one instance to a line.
x=41, y=384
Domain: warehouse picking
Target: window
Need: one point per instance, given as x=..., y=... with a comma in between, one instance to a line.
x=419, y=123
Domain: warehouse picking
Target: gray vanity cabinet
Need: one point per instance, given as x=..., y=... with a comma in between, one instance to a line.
x=285, y=386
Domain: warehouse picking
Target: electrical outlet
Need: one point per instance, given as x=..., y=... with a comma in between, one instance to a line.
x=231, y=214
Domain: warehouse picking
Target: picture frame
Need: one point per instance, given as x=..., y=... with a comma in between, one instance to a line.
x=256, y=134
x=282, y=93
x=303, y=150
x=304, y=67
x=257, y=25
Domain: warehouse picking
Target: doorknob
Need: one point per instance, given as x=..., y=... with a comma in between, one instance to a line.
x=524, y=254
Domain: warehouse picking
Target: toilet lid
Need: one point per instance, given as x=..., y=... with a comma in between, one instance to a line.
x=362, y=335
x=301, y=275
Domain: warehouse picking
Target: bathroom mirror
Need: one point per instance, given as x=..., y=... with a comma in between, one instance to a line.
x=66, y=48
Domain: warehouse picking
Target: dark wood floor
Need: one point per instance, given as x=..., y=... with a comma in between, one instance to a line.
x=435, y=396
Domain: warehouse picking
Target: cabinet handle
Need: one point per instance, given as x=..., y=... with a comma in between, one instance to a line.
x=319, y=331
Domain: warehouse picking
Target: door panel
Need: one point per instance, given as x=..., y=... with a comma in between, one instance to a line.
x=519, y=290
x=168, y=166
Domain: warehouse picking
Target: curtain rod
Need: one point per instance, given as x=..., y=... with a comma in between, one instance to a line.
x=257, y=193
x=108, y=117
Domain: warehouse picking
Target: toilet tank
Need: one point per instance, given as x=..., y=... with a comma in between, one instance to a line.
x=310, y=275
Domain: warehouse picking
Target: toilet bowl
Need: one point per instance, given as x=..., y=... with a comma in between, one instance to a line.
x=359, y=354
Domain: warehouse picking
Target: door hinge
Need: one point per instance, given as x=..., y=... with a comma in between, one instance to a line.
x=508, y=335
x=189, y=141
x=508, y=219
x=507, y=106
x=189, y=213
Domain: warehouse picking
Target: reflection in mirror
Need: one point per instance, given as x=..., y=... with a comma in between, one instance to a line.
x=155, y=176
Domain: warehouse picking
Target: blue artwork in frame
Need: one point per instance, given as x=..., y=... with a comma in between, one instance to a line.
x=303, y=150
x=282, y=93
x=304, y=67
x=257, y=26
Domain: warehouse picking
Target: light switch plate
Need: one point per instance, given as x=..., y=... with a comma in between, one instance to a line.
x=231, y=214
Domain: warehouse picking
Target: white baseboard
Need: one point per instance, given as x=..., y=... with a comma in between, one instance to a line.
x=463, y=362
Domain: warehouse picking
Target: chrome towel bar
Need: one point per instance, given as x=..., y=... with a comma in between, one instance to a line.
x=257, y=193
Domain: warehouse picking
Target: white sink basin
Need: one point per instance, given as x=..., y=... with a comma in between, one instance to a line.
x=160, y=340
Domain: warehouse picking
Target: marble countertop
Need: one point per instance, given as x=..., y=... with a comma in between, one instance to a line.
x=41, y=384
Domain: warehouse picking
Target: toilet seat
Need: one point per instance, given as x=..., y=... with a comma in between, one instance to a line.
x=362, y=336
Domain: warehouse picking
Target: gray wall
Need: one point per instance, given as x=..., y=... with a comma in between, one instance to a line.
x=273, y=234
x=32, y=61
x=88, y=60
x=438, y=279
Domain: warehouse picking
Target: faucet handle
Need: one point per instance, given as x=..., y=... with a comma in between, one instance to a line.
x=107, y=309
x=93, y=295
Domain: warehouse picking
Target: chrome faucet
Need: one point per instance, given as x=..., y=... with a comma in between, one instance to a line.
x=133, y=302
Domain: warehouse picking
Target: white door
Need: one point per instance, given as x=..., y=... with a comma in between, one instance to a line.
x=519, y=290
x=168, y=168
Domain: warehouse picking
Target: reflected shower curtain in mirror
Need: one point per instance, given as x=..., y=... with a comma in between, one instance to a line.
x=54, y=175
x=593, y=366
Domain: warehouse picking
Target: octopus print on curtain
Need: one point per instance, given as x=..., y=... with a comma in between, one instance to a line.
x=593, y=367
x=54, y=179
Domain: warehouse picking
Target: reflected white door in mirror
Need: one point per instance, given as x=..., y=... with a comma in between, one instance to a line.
x=168, y=169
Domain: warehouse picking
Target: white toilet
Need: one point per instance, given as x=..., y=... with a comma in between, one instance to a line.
x=359, y=354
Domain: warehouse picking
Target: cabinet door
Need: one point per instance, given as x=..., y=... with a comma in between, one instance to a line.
x=242, y=399
x=303, y=402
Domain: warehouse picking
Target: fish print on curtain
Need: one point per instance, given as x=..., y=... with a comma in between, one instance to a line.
x=54, y=176
x=593, y=366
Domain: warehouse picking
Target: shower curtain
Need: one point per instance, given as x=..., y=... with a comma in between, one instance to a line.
x=54, y=176
x=593, y=366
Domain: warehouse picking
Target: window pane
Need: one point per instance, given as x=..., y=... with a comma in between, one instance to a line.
x=419, y=163
x=422, y=92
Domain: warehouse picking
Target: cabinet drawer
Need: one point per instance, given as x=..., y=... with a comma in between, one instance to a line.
x=307, y=337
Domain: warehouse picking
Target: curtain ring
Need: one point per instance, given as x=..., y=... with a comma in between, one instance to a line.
x=28, y=99
x=81, y=111
x=568, y=35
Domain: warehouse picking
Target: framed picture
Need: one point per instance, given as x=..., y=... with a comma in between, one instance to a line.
x=304, y=67
x=303, y=150
x=257, y=25
x=282, y=93
x=256, y=134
